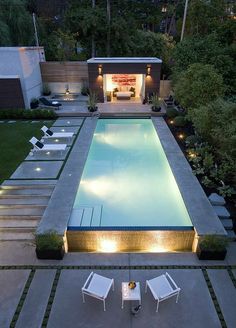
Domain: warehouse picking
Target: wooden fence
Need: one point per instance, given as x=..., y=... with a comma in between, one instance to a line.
x=74, y=72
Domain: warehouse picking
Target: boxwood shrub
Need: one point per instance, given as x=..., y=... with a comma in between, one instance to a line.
x=179, y=121
x=171, y=112
x=27, y=113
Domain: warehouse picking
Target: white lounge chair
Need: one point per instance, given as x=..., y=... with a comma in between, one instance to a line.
x=39, y=146
x=50, y=134
x=162, y=288
x=98, y=287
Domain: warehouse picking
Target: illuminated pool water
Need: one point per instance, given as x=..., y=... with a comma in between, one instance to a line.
x=127, y=181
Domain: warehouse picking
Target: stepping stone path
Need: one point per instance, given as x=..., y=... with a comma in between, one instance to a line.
x=221, y=211
x=11, y=122
x=216, y=199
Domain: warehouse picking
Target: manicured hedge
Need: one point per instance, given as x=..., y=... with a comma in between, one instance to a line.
x=27, y=113
x=171, y=112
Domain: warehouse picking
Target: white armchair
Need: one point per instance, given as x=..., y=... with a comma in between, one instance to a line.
x=162, y=288
x=98, y=287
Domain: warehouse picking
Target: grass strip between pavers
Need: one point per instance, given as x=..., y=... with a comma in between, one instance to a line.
x=22, y=299
x=232, y=277
x=115, y=267
x=51, y=299
x=214, y=299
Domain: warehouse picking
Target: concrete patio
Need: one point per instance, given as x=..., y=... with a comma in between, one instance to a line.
x=37, y=293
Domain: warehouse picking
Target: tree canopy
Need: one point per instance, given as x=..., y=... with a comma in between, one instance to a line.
x=198, y=85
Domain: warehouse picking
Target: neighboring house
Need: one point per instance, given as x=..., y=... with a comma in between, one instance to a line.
x=20, y=76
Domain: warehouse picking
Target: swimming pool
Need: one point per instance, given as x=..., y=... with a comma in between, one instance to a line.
x=127, y=182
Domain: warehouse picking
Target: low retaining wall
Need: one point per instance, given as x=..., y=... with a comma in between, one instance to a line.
x=130, y=241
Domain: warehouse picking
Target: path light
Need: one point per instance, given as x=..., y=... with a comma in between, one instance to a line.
x=181, y=136
x=48, y=152
x=62, y=130
x=171, y=122
x=68, y=122
x=56, y=140
x=38, y=169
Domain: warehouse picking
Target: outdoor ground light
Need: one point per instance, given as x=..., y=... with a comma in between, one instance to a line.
x=181, y=136
x=171, y=122
x=38, y=169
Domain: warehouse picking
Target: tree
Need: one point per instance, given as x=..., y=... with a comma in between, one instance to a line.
x=216, y=123
x=198, y=85
x=19, y=30
x=5, y=38
x=206, y=50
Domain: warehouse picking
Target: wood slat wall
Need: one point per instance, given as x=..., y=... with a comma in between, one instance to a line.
x=64, y=71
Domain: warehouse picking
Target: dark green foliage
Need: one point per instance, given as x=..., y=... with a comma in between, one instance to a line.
x=192, y=140
x=16, y=28
x=49, y=241
x=171, y=112
x=179, y=121
x=216, y=123
x=198, y=85
x=27, y=113
x=213, y=242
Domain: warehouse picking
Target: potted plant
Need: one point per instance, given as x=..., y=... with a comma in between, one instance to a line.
x=108, y=95
x=49, y=245
x=212, y=247
x=92, y=102
x=84, y=91
x=156, y=104
x=34, y=103
x=132, y=89
x=46, y=90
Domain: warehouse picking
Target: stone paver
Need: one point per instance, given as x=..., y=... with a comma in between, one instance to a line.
x=67, y=141
x=216, y=199
x=36, y=301
x=68, y=309
x=48, y=156
x=37, y=170
x=226, y=295
x=221, y=212
x=194, y=308
x=68, y=122
x=74, y=129
x=12, y=283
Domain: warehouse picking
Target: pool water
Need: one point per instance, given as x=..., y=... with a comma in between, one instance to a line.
x=127, y=181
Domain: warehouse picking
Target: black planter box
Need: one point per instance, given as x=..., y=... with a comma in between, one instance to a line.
x=34, y=105
x=50, y=254
x=156, y=109
x=92, y=109
x=211, y=254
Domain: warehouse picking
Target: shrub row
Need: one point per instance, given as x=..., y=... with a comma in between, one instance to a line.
x=27, y=114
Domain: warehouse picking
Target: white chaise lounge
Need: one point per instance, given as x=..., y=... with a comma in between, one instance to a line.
x=162, y=288
x=50, y=134
x=39, y=146
x=98, y=287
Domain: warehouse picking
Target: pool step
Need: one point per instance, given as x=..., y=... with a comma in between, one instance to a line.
x=86, y=216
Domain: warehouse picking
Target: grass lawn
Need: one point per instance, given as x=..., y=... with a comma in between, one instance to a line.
x=14, y=144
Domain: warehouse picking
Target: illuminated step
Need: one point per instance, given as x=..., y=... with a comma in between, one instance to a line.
x=96, y=218
x=86, y=216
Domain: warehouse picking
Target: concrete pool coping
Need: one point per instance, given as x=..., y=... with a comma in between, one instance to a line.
x=58, y=212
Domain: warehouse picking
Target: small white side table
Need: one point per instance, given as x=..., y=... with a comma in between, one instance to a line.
x=130, y=294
